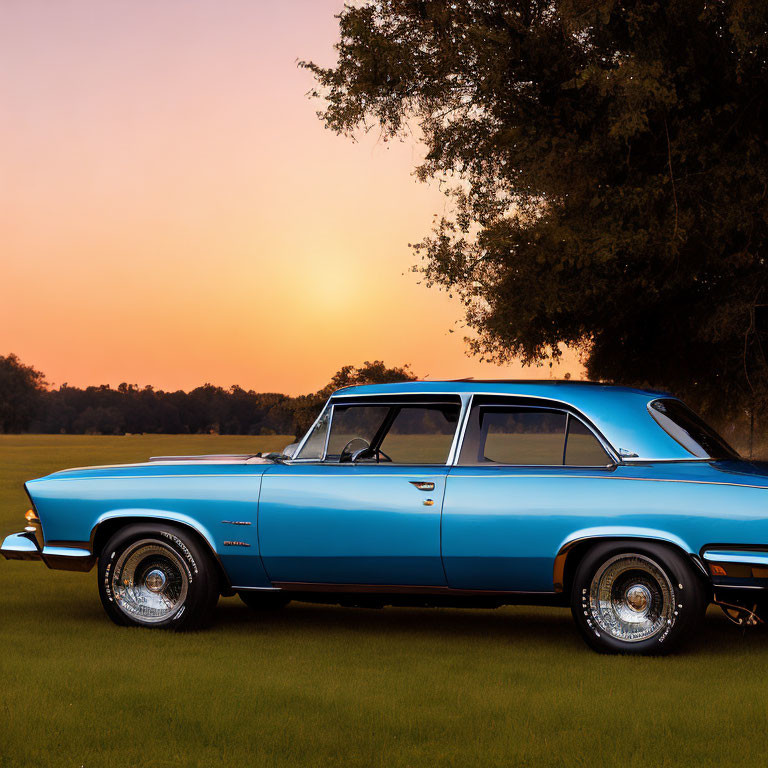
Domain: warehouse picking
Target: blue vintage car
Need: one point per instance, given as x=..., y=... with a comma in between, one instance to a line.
x=621, y=503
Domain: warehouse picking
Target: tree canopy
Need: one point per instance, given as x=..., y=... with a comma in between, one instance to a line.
x=610, y=175
x=21, y=388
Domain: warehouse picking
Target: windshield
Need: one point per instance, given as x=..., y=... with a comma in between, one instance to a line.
x=690, y=430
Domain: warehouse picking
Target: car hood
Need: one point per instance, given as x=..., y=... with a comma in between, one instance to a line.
x=159, y=466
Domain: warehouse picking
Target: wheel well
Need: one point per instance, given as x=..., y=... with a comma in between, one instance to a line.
x=575, y=553
x=104, y=531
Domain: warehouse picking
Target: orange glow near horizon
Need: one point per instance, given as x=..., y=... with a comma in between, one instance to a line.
x=173, y=212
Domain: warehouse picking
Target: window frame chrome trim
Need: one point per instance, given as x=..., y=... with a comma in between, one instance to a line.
x=328, y=431
x=458, y=436
x=467, y=403
x=612, y=452
x=460, y=444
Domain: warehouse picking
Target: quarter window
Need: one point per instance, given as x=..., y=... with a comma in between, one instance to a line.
x=315, y=443
x=530, y=437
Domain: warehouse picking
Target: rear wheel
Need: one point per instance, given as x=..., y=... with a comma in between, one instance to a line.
x=636, y=598
x=158, y=577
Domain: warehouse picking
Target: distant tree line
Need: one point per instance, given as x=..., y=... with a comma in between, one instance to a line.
x=27, y=404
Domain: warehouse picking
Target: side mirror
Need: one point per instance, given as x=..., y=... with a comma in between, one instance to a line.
x=289, y=450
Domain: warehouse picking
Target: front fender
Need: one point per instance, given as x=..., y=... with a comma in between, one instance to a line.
x=155, y=514
x=240, y=564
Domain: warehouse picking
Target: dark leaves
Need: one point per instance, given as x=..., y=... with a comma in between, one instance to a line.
x=612, y=174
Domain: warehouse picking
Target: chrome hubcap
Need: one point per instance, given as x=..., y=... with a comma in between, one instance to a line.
x=631, y=598
x=149, y=582
x=638, y=598
x=155, y=580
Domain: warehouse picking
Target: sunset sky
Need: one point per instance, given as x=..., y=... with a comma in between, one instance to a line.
x=173, y=212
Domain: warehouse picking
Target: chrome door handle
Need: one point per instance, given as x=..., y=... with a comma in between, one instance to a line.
x=422, y=485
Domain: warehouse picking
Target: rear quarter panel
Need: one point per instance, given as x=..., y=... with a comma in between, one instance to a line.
x=503, y=526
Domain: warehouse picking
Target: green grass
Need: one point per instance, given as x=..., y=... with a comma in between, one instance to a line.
x=325, y=686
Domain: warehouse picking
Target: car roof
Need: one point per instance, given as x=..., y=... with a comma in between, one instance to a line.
x=502, y=386
x=619, y=413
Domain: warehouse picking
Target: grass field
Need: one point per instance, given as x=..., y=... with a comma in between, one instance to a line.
x=324, y=686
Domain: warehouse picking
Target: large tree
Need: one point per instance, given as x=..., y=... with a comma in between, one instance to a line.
x=610, y=167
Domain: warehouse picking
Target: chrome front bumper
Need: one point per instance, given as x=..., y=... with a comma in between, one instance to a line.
x=23, y=546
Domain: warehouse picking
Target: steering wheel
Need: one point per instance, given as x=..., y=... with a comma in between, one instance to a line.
x=362, y=450
x=365, y=453
x=353, y=448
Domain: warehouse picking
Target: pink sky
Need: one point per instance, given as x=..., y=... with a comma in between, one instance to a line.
x=173, y=212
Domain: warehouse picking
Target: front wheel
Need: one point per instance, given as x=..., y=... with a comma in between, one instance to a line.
x=157, y=577
x=636, y=598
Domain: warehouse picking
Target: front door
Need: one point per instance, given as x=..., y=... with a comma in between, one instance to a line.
x=367, y=510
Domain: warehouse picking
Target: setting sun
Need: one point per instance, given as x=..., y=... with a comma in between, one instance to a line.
x=173, y=212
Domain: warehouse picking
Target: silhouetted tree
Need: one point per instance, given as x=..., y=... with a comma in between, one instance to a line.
x=21, y=388
x=99, y=421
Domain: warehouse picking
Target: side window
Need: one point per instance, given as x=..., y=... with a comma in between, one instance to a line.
x=421, y=434
x=526, y=436
x=354, y=426
x=514, y=436
x=393, y=432
x=582, y=448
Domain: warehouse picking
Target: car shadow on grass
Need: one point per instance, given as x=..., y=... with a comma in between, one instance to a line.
x=550, y=628
x=546, y=626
